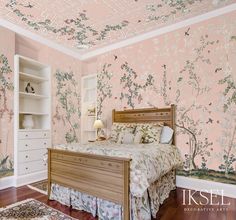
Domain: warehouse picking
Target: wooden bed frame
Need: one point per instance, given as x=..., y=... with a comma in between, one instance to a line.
x=103, y=176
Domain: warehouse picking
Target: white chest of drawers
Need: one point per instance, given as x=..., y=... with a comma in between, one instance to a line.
x=31, y=160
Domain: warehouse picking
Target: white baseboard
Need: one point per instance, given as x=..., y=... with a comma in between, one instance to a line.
x=17, y=181
x=7, y=182
x=229, y=190
x=30, y=178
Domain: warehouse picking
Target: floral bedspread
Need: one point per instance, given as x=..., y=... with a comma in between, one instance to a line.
x=149, y=161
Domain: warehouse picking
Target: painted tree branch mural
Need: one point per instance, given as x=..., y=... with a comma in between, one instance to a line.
x=198, y=145
x=6, y=85
x=69, y=101
x=130, y=88
x=228, y=139
x=229, y=92
x=75, y=29
x=104, y=87
x=6, y=88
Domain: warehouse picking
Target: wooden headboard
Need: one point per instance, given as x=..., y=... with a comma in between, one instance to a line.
x=145, y=115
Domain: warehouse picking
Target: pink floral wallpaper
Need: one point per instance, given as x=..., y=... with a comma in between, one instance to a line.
x=65, y=74
x=193, y=68
x=6, y=102
x=92, y=23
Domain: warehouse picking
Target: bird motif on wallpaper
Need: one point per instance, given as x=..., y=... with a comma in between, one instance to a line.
x=209, y=121
x=218, y=69
x=186, y=33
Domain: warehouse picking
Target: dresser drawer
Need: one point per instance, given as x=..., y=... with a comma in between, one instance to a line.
x=27, y=144
x=31, y=167
x=33, y=134
x=27, y=156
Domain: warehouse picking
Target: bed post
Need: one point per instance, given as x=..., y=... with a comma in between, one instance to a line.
x=172, y=111
x=49, y=172
x=126, y=196
x=113, y=115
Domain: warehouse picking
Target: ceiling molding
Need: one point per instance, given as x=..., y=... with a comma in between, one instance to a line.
x=160, y=31
x=33, y=36
x=123, y=43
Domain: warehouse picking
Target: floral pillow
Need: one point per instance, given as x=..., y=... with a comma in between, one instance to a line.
x=151, y=132
x=118, y=128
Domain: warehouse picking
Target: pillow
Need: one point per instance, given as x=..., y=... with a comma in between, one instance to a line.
x=138, y=137
x=151, y=132
x=118, y=128
x=130, y=138
x=166, y=135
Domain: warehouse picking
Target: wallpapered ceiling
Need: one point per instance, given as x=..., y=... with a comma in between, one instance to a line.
x=96, y=23
x=197, y=72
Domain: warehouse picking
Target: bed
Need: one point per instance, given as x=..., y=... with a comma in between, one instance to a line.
x=103, y=174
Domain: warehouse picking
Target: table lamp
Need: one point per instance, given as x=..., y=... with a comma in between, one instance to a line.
x=98, y=125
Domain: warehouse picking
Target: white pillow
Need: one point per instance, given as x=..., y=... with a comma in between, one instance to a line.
x=138, y=138
x=166, y=135
x=130, y=138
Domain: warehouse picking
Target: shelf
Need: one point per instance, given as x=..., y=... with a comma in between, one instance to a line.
x=33, y=113
x=88, y=88
x=33, y=78
x=33, y=129
x=32, y=95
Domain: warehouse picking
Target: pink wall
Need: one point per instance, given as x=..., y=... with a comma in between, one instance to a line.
x=195, y=69
x=6, y=100
x=66, y=75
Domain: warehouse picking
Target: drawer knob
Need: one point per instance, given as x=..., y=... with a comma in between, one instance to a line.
x=26, y=168
x=26, y=135
x=45, y=135
x=26, y=156
x=26, y=145
x=44, y=143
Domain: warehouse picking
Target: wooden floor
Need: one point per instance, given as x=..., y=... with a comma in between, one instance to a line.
x=172, y=209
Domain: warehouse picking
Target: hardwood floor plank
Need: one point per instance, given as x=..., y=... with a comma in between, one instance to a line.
x=172, y=208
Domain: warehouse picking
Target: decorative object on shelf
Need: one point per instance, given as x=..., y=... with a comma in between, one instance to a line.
x=29, y=88
x=28, y=122
x=98, y=124
x=91, y=111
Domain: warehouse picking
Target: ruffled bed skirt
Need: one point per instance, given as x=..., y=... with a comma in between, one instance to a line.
x=142, y=208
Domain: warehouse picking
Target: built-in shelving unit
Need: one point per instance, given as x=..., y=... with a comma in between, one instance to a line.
x=88, y=104
x=32, y=95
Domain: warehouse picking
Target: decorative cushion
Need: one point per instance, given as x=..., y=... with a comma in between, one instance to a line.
x=126, y=138
x=130, y=138
x=138, y=137
x=151, y=132
x=118, y=128
x=166, y=135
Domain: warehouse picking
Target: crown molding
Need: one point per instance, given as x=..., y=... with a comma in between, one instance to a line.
x=123, y=43
x=33, y=36
x=160, y=31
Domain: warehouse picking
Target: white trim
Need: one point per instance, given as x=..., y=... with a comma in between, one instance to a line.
x=229, y=190
x=33, y=36
x=160, y=31
x=7, y=182
x=129, y=41
x=30, y=178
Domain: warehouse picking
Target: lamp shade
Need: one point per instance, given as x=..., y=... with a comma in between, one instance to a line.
x=98, y=124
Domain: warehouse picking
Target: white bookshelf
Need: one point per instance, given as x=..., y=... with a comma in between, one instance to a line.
x=88, y=101
x=30, y=145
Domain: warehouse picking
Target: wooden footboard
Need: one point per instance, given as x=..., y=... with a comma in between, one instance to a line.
x=102, y=176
